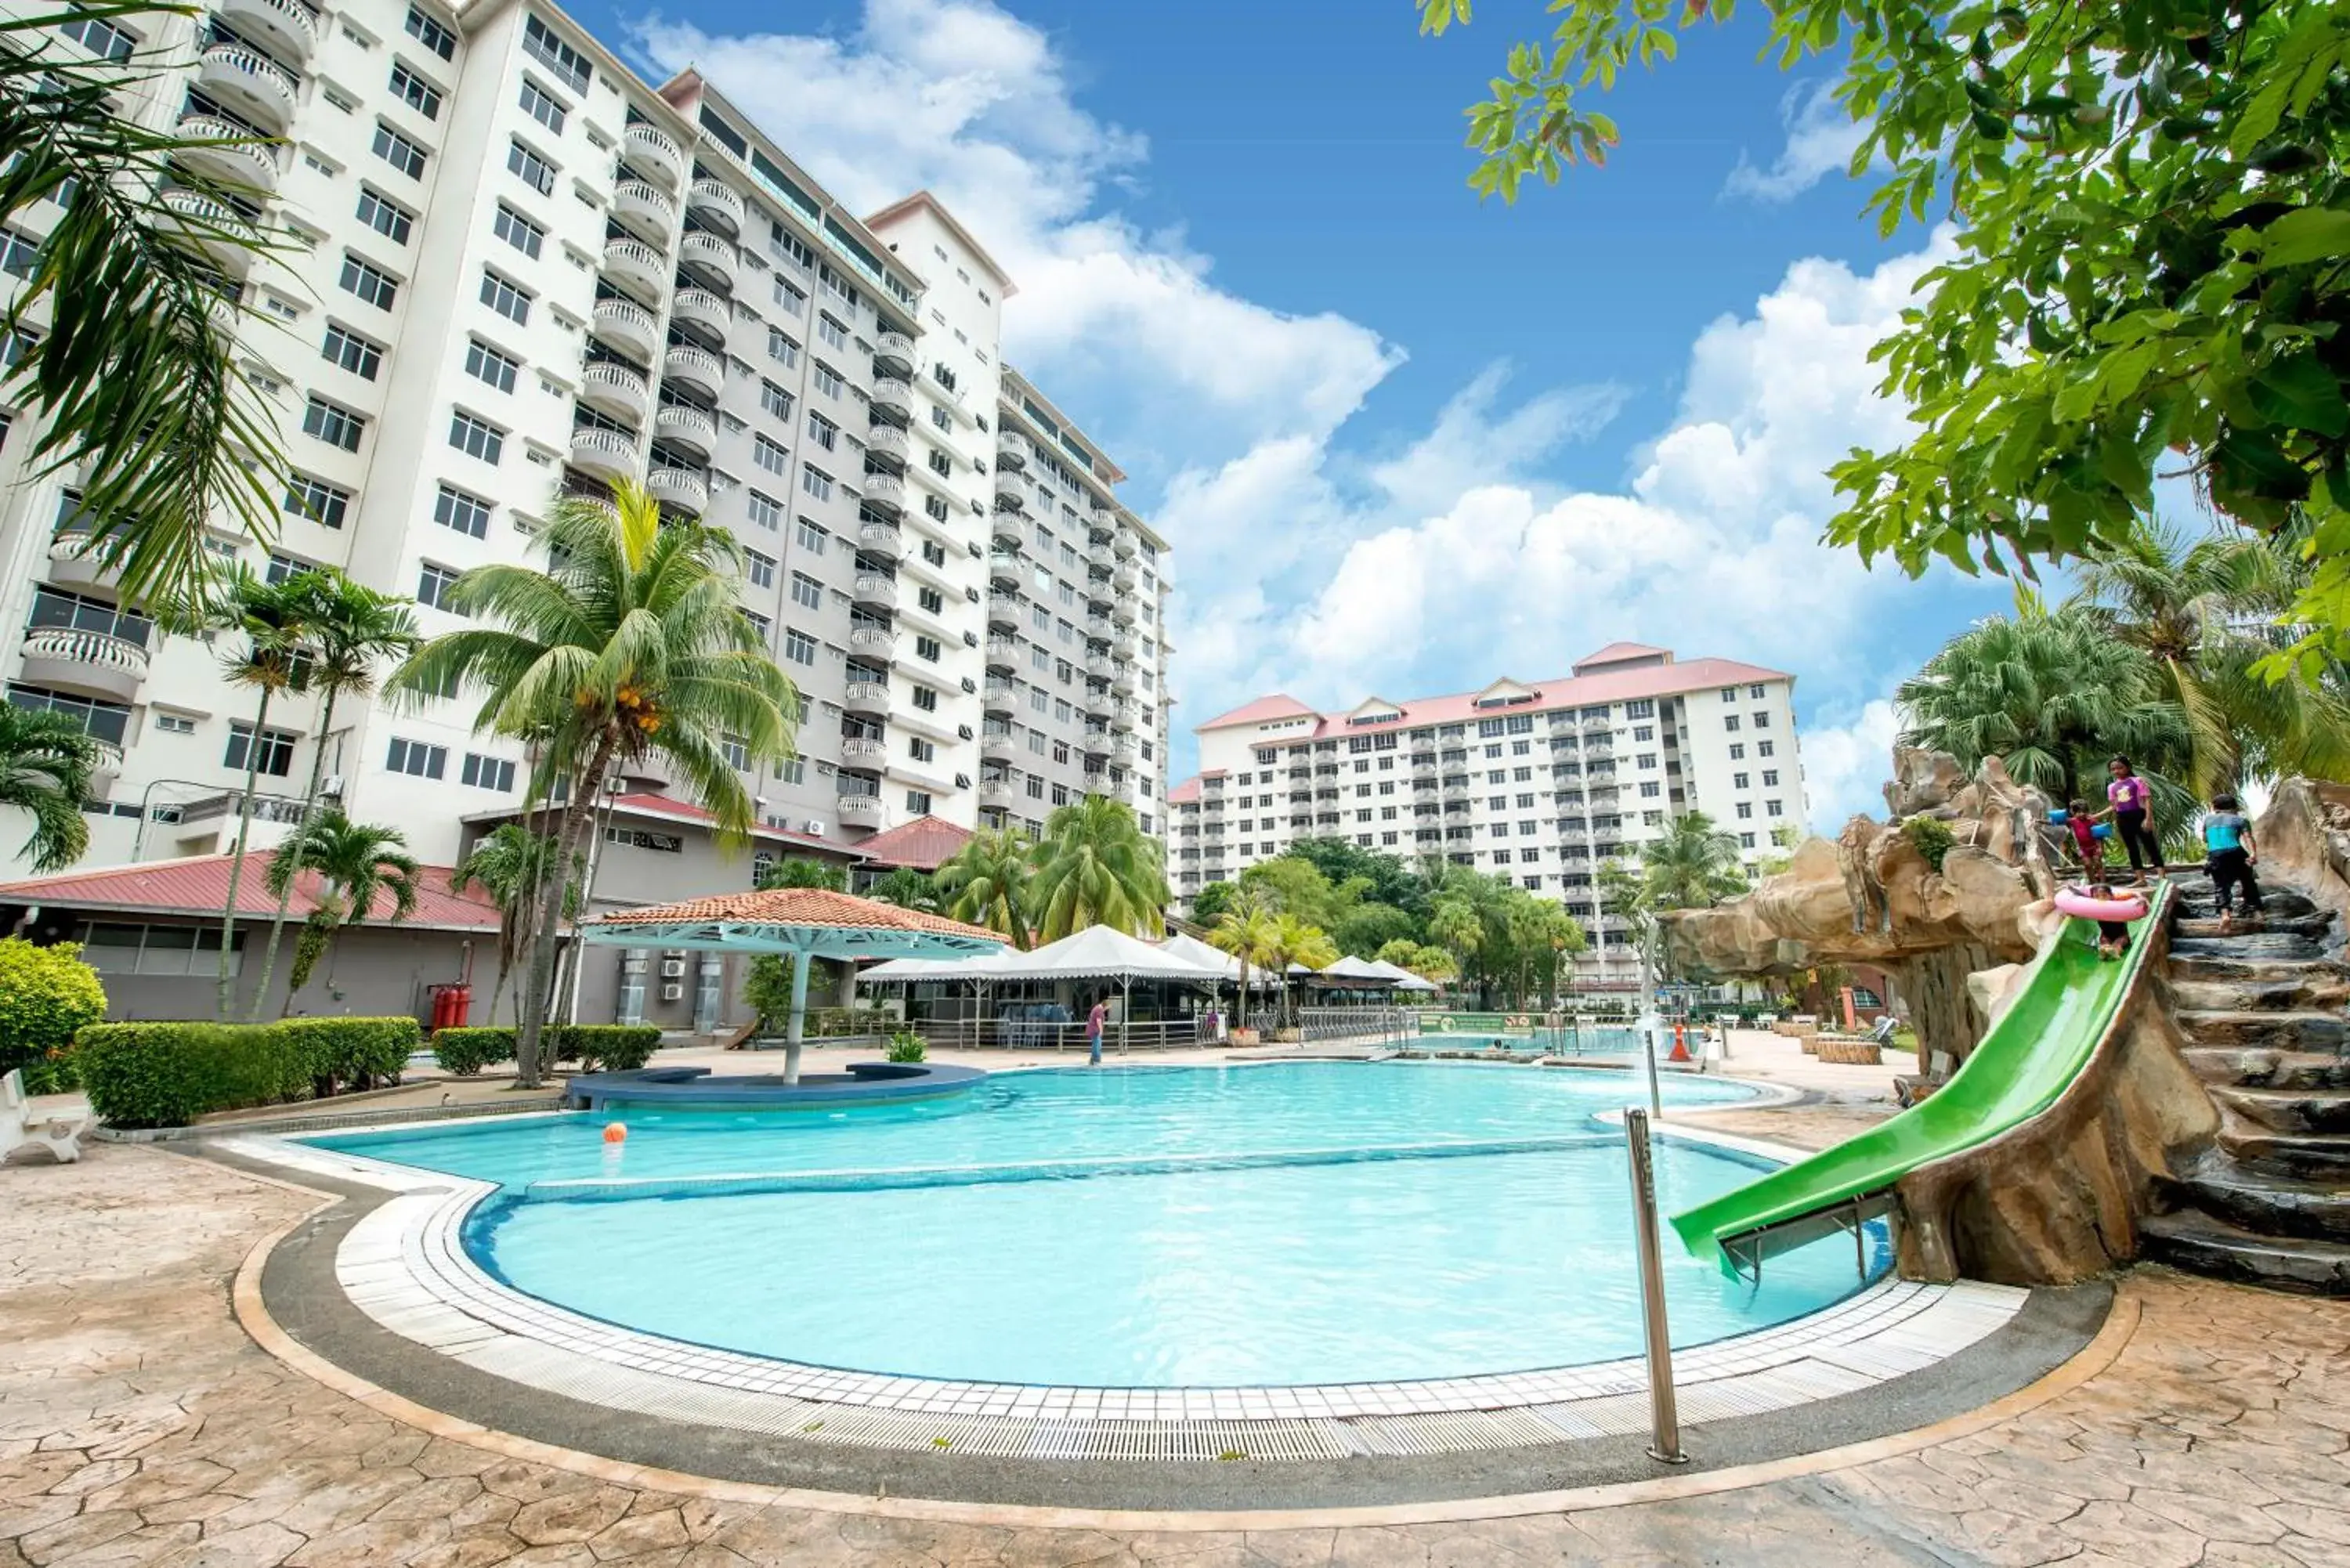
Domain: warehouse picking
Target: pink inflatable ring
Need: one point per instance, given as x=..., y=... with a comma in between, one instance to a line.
x=2084, y=905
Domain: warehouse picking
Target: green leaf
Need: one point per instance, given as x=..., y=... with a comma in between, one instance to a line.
x=2312, y=234
x=2302, y=392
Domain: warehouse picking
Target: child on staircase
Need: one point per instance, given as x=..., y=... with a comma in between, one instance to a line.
x=2227, y=838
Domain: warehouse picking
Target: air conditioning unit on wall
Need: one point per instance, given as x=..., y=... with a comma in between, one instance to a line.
x=672, y=969
x=672, y=993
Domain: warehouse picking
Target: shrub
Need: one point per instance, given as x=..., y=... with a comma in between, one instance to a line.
x=46, y=995
x=466, y=1052
x=1930, y=837
x=596, y=1047
x=355, y=1053
x=167, y=1074
x=905, y=1046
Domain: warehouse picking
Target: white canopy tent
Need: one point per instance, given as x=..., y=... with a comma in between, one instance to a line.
x=1185, y=946
x=1404, y=980
x=1097, y=952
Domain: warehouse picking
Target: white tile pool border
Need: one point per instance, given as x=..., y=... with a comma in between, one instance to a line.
x=405, y=1266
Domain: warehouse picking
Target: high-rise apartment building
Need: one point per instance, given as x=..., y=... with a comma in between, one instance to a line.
x=518, y=268
x=1539, y=783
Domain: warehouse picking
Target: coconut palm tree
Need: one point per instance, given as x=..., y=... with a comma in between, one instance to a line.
x=133, y=365
x=269, y=622
x=1293, y=941
x=629, y=644
x=1455, y=925
x=45, y=761
x=350, y=631
x=1693, y=867
x=1095, y=867
x=986, y=882
x=805, y=871
x=355, y=862
x=509, y=864
x=2203, y=614
x=906, y=888
x=1245, y=930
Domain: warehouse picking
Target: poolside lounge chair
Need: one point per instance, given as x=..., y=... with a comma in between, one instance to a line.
x=20, y=1124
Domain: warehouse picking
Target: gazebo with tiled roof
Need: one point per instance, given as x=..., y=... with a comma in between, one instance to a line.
x=805, y=922
x=924, y=844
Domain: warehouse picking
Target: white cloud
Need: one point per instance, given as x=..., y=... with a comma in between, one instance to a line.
x=1821, y=138
x=1845, y=766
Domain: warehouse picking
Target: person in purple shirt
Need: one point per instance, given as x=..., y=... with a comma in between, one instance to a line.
x=1094, y=1022
x=2129, y=801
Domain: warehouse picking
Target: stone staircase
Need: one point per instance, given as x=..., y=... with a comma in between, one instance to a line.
x=2266, y=1019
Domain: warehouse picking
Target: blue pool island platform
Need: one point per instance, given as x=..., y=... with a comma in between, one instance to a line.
x=696, y=1088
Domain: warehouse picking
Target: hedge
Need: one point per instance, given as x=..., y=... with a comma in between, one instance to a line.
x=46, y=995
x=596, y=1047
x=167, y=1074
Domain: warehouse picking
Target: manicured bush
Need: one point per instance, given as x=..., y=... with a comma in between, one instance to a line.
x=905, y=1046
x=167, y=1074
x=596, y=1047
x=46, y=995
x=466, y=1052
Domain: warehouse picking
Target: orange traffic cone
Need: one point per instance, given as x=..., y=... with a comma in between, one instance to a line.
x=1680, y=1043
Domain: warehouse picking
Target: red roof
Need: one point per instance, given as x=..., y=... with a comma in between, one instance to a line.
x=1263, y=709
x=1185, y=794
x=1604, y=685
x=924, y=844
x=816, y=907
x=198, y=885
x=1616, y=652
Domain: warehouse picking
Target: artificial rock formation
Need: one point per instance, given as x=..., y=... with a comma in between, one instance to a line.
x=1871, y=895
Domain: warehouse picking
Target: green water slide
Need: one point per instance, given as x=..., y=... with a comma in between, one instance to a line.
x=2037, y=1047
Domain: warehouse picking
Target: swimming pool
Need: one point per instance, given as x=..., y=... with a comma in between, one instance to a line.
x=1297, y=1223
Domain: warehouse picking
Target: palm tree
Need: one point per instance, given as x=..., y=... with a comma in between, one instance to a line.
x=271, y=619
x=1293, y=941
x=510, y=865
x=1245, y=929
x=1693, y=867
x=805, y=871
x=2200, y=613
x=350, y=630
x=1455, y=925
x=355, y=862
x=906, y=888
x=630, y=644
x=45, y=761
x=134, y=365
x=1095, y=867
x=986, y=882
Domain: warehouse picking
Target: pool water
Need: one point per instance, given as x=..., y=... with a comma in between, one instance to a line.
x=1300, y=1223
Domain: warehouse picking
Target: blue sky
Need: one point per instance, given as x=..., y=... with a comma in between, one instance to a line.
x=1402, y=442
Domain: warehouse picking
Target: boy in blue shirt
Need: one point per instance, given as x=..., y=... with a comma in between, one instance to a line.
x=2227, y=837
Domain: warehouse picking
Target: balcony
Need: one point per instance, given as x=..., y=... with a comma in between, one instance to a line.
x=696, y=368
x=1011, y=450
x=620, y=390
x=106, y=769
x=717, y=204
x=875, y=591
x=893, y=355
x=997, y=793
x=1096, y=744
x=1124, y=578
x=1009, y=489
x=71, y=566
x=1003, y=569
x=1099, y=627
x=647, y=211
x=705, y=311
x=1121, y=680
x=215, y=228
x=250, y=83
x=608, y=454
x=1122, y=749
x=864, y=752
x=1123, y=544
x=626, y=325
x=86, y=661
x=877, y=642
x=888, y=445
x=1121, y=715
x=710, y=254
x=893, y=395
x=998, y=695
x=997, y=748
x=1006, y=530
x=290, y=29
x=858, y=810
x=1100, y=666
x=867, y=697
x=635, y=263
x=686, y=426
x=882, y=539
x=681, y=488
x=1003, y=613
x=654, y=153
x=884, y=492
x=1003, y=652
x=239, y=158
x=1122, y=611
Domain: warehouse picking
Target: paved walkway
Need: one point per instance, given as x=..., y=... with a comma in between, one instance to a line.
x=140, y=1425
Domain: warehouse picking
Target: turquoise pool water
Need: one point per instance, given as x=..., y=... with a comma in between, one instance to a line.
x=1305, y=1222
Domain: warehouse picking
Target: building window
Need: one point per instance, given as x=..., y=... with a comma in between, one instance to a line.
x=476, y=438
x=1755, y=691
x=335, y=425
x=799, y=647
x=1766, y=748
x=485, y=773
x=518, y=231
x=926, y=698
x=782, y=349
x=388, y=219
x=370, y=284
x=1745, y=811
x=812, y=537
x=539, y=41
x=1737, y=780
x=429, y=33
x=823, y=431
x=1775, y=808
x=736, y=750
x=1745, y=841
x=828, y=382
x=918, y=801
x=926, y=647
x=468, y=515
x=353, y=352
x=790, y=297
x=273, y=755
x=433, y=585
x=510, y=300
x=769, y=455
x=315, y=499
x=765, y=510
x=398, y=152
x=760, y=568
x=415, y=91
x=484, y=363
x=104, y=40
x=1730, y=722
x=816, y=482
x=532, y=171
x=1761, y=721
x=1737, y=750
x=543, y=105
x=921, y=749
x=806, y=592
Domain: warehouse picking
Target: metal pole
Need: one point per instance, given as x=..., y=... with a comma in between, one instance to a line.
x=1650, y=1026
x=1664, y=1412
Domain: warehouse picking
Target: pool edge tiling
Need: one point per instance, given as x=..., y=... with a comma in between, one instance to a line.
x=404, y=1265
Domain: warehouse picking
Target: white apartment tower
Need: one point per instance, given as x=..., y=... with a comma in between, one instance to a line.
x=1537, y=781
x=519, y=268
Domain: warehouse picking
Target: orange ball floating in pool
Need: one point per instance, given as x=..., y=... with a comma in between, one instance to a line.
x=615, y=1132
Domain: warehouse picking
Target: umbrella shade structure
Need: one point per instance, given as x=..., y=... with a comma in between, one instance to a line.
x=1404, y=980
x=1184, y=946
x=805, y=922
